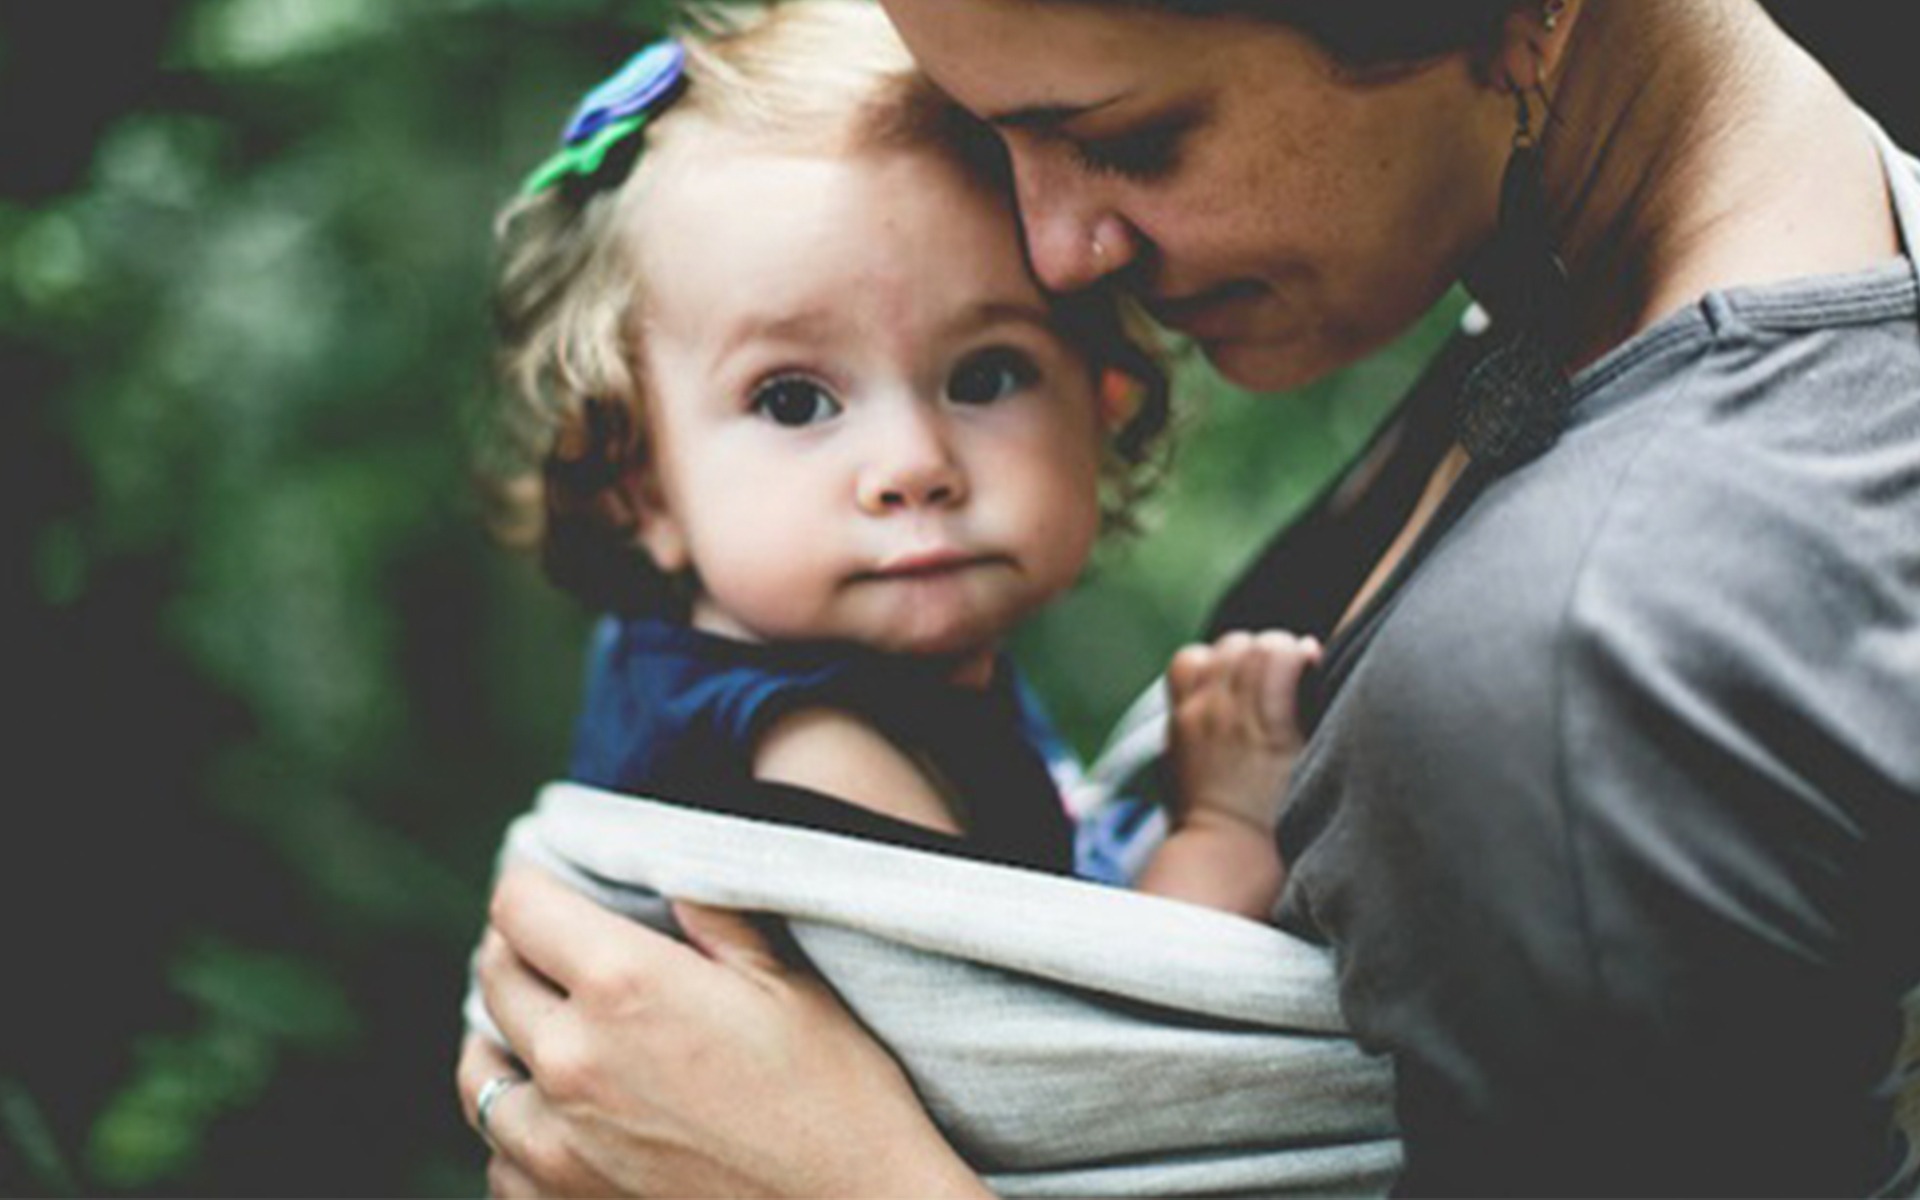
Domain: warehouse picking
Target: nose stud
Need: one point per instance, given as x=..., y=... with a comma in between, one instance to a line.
x=1110, y=247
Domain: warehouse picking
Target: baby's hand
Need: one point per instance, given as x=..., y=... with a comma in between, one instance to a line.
x=1232, y=737
x=1233, y=725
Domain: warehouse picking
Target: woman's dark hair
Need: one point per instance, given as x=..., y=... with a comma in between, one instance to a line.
x=1369, y=35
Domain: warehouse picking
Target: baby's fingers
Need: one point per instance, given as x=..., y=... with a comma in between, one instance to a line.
x=1193, y=668
x=1268, y=679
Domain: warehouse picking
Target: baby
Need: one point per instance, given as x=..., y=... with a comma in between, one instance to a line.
x=806, y=423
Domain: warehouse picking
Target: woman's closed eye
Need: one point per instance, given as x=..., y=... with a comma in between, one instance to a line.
x=1140, y=154
x=794, y=401
x=989, y=375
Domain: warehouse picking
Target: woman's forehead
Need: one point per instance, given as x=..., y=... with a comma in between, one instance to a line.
x=1011, y=61
x=1020, y=44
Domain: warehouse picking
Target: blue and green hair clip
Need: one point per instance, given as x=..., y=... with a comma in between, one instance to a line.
x=611, y=113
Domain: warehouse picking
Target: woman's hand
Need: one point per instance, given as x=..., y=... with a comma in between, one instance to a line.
x=659, y=1068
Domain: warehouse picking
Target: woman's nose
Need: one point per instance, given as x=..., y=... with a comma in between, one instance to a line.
x=911, y=466
x=1073, y=240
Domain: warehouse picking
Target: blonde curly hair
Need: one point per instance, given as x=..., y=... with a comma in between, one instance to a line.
x=811, y=76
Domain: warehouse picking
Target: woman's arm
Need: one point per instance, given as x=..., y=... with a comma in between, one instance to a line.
x=663, y=1069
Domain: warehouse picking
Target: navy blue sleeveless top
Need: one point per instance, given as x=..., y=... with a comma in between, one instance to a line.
x=674, y=713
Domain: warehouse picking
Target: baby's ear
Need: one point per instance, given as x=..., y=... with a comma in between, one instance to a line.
x=659, y=530
x=1118, y=394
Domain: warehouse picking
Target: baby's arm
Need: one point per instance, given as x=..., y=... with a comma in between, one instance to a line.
x=1233, y=734
x=832, y=752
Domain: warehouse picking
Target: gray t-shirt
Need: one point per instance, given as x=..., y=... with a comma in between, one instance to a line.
x=1612, y=815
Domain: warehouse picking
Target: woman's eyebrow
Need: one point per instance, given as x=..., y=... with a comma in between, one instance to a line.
x=1044, y=117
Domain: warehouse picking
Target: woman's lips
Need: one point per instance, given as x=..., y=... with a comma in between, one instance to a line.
x=1215, y=313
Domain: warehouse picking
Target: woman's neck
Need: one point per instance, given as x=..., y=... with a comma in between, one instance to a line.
x=1695, y=147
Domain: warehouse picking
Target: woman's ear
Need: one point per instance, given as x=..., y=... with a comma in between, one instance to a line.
x=659, y=530
x=1533, y=43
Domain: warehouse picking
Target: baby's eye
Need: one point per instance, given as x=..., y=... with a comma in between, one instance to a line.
x=794, y=401
x=991, y=375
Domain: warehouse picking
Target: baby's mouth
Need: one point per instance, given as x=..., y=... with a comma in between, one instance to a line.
x=927, y=564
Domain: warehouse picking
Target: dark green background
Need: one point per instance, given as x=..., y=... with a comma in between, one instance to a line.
x=271, y=690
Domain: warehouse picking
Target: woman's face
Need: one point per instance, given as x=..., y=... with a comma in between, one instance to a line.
x=1287, y=218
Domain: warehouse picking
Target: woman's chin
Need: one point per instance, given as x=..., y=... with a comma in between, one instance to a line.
x=1264, y=366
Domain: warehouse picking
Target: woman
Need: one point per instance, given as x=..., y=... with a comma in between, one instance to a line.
x=1610, y=809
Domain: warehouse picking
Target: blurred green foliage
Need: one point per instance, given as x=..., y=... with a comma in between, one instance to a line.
x=274, y=691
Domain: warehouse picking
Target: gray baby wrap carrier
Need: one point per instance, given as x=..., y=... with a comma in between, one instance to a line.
x=1070, y=1038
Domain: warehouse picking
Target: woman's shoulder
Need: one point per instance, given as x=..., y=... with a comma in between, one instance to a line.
x=1735, y=500
x=1783, y=426
x=1761, y=425
x=1748, y=568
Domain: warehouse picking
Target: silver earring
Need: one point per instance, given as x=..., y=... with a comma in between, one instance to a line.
x=1550, y=13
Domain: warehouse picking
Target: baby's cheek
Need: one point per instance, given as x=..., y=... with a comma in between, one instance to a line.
x=767, y=576
x=1068, y=541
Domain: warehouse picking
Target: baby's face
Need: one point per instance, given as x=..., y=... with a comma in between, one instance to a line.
x=865, y=423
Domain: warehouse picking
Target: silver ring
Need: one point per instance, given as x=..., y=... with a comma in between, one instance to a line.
x=490, y=1093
